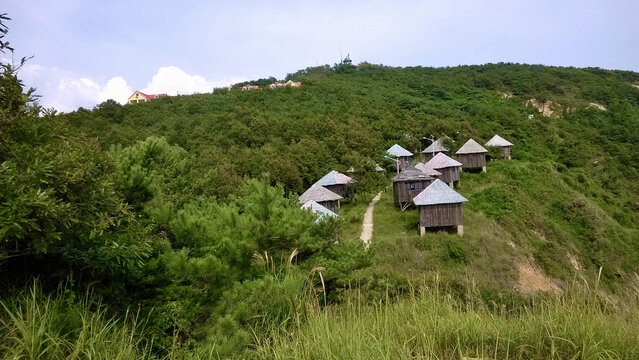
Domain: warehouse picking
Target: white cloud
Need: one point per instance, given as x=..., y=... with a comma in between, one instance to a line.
x=65, y=91
x=173, y=81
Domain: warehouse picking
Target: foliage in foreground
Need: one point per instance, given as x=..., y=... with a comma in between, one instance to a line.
x=433, y=325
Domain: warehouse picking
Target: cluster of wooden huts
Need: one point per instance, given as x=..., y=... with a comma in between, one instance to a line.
x=323, y=197
x=429, y=185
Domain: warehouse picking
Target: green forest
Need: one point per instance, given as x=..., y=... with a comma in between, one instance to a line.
x=171, y=229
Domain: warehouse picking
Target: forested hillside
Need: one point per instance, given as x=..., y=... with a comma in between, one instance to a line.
x=184, y=211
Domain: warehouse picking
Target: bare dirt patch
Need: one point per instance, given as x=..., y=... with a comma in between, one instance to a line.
x=506, y=95
x=532, y=279
x=546, y=108
x=598, y=106
x=574, y=262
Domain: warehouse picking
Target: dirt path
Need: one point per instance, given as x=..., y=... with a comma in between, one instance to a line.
x=367, y=225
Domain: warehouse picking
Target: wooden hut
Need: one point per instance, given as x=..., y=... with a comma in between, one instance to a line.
x=439, y=207
x=448, y=168
x=407, y=184
x=322, y=196
x=433, y=149
x=502, y=143
x=402, y=155
x=338, y=183
x=472, y=155
x=319, y=210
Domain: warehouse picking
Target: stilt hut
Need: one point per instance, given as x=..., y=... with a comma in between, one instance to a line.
x=448, y=168
x=502, y=143
x=338, y=183
x=439, y=207
x=321, y=211
x=428, y=170
x=322, y=196
x=433, y=149
x=402, y=155
x=472, y=155
x=407, y=184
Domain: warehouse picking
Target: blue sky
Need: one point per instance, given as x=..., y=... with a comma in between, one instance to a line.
x=88, y=51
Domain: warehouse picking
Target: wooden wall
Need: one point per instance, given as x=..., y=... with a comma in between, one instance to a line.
x=403, y=195
x=346, y=191
x=440, y=215
x=449, y=174
x=472, y=160
x=404, y=162
x=505, y=152
x=429, y=156
x=331, y=205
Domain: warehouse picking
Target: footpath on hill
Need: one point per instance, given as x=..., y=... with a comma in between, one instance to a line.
x=367, y=224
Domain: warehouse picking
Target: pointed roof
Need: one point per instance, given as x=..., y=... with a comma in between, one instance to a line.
x=335, y=178
x=438, y=193
x=318, y=209
x=471, y=147
x=318, y=193
x=441, y=161
x=427, y=170
x=397, y=151
x=436, y=146
x=498, y=141
x=411, y=173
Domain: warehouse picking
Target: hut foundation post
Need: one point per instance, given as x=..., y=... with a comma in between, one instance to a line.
x=452, y=185
x=483, y=168
x=460, y=230
x=508, y=157
x=422, y=230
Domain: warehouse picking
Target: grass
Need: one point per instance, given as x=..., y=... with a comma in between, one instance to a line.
x=35, y=326
x=353, y=214
x=432, y=325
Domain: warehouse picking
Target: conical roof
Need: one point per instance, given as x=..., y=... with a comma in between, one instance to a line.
x=436, y=146
x=441, y=161
x=397, y=151
x=318, y=193
x=471, y=147
x=438, y=193
x=498, y=141
x=335, y=178
x=427, y=170
x=411, y=173
x=318, y=209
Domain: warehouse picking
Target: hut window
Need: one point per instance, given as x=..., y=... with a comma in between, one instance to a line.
x=413, y=186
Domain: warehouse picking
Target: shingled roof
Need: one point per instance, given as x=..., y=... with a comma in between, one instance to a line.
x=498, y=141
x=471, y=147
x=441, y=161
x=438, y=193
x=334, y=178
x=411, y=173
x=318, y=209
x=427, y=170
x=318, y=193
x=436, y=146
x=397, y=150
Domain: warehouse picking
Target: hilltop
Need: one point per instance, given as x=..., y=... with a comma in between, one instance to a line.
x=166, y=205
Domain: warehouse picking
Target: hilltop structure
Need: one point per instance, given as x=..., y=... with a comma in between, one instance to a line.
x=140, y=97
x=472, y=155
x=403, y=156
x=322, y=196
x=439, y=207
x=288, y=83
x=498, y=141
x=433, y=149
x=407, y=184
x=448, y=168
x=338, y=183
x=250, y=87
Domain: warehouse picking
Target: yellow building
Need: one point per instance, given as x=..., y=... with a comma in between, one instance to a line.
x=140, y=97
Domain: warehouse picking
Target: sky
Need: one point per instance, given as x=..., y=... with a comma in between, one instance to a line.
x=87, y=51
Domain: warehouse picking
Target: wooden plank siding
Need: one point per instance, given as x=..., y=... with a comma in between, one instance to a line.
x=405, y=191
x=440, y=215
x=330, y=205
x=428, y=156
x=404, y=162
x=505, y=152
x=345, y=191
x=476, y=160
x=449, y=174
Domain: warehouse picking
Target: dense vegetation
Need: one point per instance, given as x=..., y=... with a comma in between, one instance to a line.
x=183, y=211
